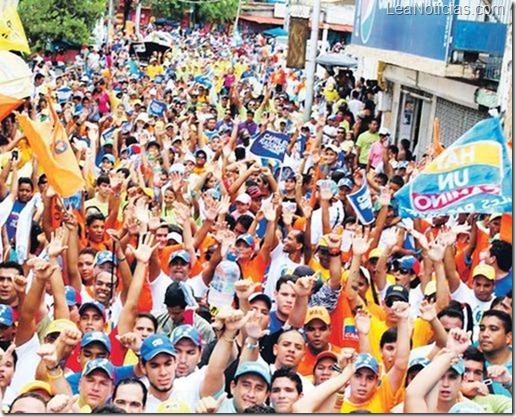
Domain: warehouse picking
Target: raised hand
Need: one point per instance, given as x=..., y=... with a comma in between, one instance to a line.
x=212, y=208
x=70, y=337
x=401, y=309
x=361, y=242
x=303, y=285
x=209, y=405
x=48, y=354
x=182, y=212
x=458, y=340
x=385, y=197
x=224, y=204
x=20, y=284
x=363, y=322
x=56, y=245
x=436, y=249
x=145, y=248
x=420, y=237
x=176, y=180
x=346, y=357
x=334, y=241
x=245, y=287
x=62, y=403
x=254, y=326
x=391, y=237
x=306, y=208
x=325, y=192
x=42, y=269
x=141, y=211
x=499, y=373
x=288, y=217
x=154, y=220
x=427, y=311
x=269, y=212
x=116, y=181
x=130, y=340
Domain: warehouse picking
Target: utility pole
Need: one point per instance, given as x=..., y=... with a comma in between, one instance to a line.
x=235, y=29
x=110, y=23
x=137, y=17
x=310, y=62
x=288, y=9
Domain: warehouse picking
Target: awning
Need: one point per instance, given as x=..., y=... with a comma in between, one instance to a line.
x=268, y=20
x=15, y=76
x=276, y=32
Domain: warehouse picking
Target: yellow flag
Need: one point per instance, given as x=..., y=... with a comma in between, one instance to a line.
x=50, y=144
x=12, y=35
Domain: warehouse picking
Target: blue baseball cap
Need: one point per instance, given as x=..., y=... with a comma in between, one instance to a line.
x=156, y=344
x=105, y=256
x=109, y=157
x=73, y=298
x=345, y=182
x=96, y=336
x=247, y=239
x=182, y=254
x=100, y=363
x=366, y=360
x=94, y=304
x=403, y=164
x=6, y=315
x=459, y=367
x=186, y=331
x=420, y=361
x=256, y=368
x=409, y=263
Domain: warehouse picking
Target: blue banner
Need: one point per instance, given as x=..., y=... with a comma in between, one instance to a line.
x=362, y=204
x=473, y=175
x=387, y=25
x=107, y=136
x=271, y=145
x=157, y=108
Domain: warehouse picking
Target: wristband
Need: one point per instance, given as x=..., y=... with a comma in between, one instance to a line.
x=227, y=339
x=251, y=346
x=336, y=368
x=121, y=259
x=58, y=376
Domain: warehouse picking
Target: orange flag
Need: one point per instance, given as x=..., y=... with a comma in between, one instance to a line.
x=50, y=144
x=7, y=105
x=506, y=227
x=438, y=148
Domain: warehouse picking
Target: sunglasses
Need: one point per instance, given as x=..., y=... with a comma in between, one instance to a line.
x=402, y=271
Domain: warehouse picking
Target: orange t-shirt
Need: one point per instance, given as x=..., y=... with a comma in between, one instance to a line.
x=254, y=269
x=306, y=367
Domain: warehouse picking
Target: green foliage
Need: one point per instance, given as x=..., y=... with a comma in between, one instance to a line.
x=50, y=20
x=205, y=10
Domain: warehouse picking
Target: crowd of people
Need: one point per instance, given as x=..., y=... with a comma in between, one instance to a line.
x=190, y=275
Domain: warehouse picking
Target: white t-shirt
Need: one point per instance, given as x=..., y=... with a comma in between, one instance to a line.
x=159, y=286
x=26, y=364
x=337, y=215
x=280, y=264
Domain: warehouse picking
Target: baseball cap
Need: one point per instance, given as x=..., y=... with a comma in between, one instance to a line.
x=200, y=152
x=186, y=331
x=332, y=148
x=327, y=354
x=254, y=191
x=397, y=291
x=375, y=253
x=179, y=168
x=303, y=271
x=109, y=157
x=96, y=336
x=100, y=363
x=494, y=216
x=254, y=368
x=431, y=288
x=6, y=315
x=484, y=270
x=176, y=237
x=73, y=298
x=366, y=360
x=182, y=254
x=173, y=407
x=420, y=361
x=318, y=312
x=156, y=344
x=57, y=326
x=384, y=131
x=35, y=385
x=243, y=198
x=459, y=367
x=105, y=256
x=260, y=296
x=345, y=182
x=466, y=407
x=247, y=239
x=365, y=273
x=96, y=305
x=409, y=262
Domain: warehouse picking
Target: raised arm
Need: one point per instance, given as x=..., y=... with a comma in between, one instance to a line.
x=303, y=289
x=397, y=373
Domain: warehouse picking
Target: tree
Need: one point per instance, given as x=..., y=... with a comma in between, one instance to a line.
x=206, y=10
x=51, y=20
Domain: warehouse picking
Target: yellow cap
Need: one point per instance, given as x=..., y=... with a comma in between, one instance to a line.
x=318, y=312
x=35, y=385
x=375, y=253
x=431, y=288
x=173, y=407
x=494, y=216
x=148, y=192
x=484, y=270
x=57, y=326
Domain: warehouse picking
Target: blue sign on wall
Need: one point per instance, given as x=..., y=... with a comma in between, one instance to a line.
x=416, y=27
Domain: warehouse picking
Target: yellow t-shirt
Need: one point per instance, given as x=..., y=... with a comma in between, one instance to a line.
x=381, y=402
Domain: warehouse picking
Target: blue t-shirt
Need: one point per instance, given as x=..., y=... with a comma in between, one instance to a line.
x=504, y=285
x=275, y=324
x=497, y=387
x=121, y=372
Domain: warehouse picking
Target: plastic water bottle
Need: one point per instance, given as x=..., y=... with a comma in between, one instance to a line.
x=350, y=334
x=222, y=286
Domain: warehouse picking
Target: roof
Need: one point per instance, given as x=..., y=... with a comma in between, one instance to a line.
x=269, y=20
